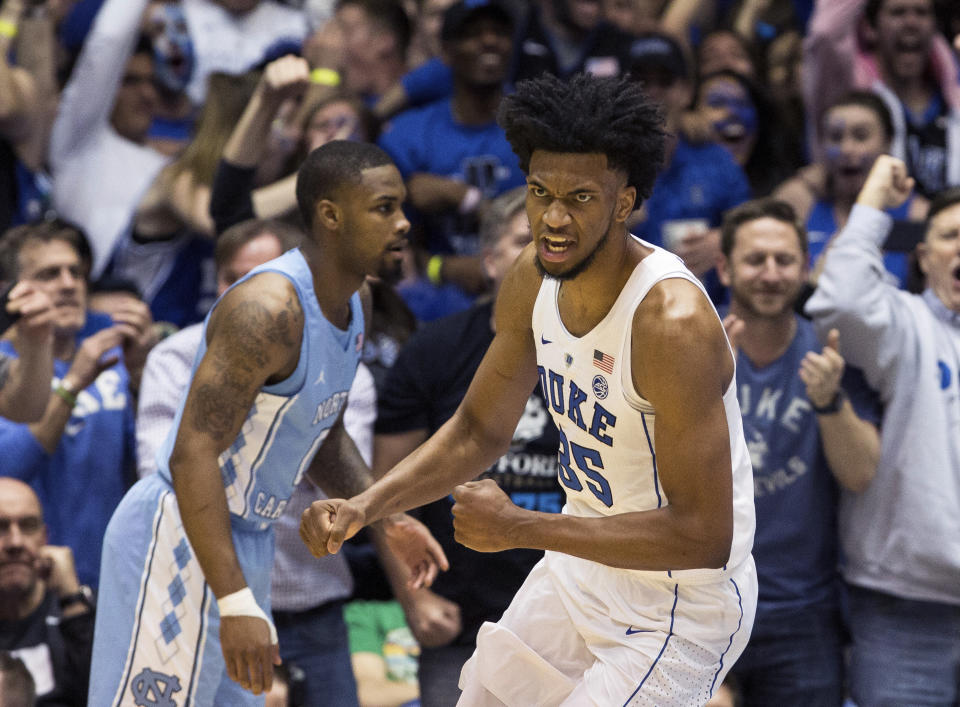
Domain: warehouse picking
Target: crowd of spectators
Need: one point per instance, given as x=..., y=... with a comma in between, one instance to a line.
x=148, y=159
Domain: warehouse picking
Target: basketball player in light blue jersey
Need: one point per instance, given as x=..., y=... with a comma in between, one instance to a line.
x=187, y=555
x=647, y=590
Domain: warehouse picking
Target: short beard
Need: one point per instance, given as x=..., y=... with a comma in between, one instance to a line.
x=390, y=272
x=579, y=267
x=746, y=304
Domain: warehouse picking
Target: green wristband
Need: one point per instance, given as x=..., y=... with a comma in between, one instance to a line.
x=65, y=395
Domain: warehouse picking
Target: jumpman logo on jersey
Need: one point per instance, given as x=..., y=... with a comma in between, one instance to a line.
x=321, y=378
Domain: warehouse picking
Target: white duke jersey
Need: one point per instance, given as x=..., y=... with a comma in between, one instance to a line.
x=288, y=420
x=608, y=462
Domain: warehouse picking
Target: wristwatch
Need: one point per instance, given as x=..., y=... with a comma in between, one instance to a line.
x=84, y=595
x=833, y=406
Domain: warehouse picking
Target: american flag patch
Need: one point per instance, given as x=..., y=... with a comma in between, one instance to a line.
x=603, y=361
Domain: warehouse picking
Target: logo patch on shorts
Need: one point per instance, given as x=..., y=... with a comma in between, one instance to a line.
x=153, y=689
x=632, y=630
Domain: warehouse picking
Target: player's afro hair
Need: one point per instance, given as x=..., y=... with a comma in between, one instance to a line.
x=587, y=114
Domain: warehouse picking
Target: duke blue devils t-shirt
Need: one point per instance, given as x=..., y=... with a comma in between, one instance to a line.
x=795, y=546
x=92, y=466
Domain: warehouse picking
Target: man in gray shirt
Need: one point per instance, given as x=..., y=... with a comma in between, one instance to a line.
x=901, y=535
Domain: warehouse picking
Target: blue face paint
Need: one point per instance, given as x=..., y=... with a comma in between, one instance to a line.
x=173, y=54
x=832, y=154
x=856, y=159
x=740, y=109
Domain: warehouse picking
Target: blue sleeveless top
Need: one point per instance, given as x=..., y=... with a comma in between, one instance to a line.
x=288, y=420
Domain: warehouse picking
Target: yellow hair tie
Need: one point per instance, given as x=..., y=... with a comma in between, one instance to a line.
x=8, y=29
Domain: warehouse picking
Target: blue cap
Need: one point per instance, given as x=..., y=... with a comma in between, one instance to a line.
x=465, y=11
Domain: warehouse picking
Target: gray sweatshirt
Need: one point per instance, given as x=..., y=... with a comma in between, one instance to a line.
x=902, y=535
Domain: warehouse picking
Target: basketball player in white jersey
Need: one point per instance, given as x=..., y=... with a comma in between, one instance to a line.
x=647, y=591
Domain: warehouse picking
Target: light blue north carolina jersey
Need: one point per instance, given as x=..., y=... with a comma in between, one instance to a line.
x=288, y=420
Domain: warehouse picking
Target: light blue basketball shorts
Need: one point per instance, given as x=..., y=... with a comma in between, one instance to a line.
x=157, y=634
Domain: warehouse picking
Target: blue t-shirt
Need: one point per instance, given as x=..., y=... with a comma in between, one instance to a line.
x=795, y=546
x=180, y=129
x=428, y=139
x=431, y=81
x=701, y=182
x=176, y=277
x=822, y=225
x=428, y=302
x=33, y=194
x=81, y=483
x=77, y=23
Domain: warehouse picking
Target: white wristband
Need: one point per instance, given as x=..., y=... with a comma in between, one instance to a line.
x=243, y=603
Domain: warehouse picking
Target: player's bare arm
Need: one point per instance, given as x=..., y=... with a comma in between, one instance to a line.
x=339, y=469
x=681, y=365
x=253, y=338
x=5, y=366
x=477, y=434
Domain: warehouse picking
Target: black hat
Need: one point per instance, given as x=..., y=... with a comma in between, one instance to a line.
x=660, y=51
x=464, y=11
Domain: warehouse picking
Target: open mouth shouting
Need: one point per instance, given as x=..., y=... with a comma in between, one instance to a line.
x=554, y=247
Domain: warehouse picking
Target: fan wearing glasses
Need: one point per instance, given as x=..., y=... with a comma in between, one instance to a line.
x=46, y=616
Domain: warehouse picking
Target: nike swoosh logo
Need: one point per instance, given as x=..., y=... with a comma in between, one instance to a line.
x=632, y=630
x=544, y=341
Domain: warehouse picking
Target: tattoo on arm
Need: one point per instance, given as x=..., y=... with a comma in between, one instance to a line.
x=338, y=467
x=214, y=411
x=353, y=475
x=240, y=363
x=281, y=329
